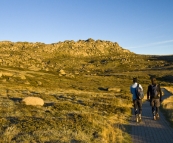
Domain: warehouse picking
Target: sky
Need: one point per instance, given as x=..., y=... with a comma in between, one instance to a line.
x=141, y=26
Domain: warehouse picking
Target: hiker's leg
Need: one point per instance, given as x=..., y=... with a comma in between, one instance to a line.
x=135, y=107
x=153, y=106
x=140, y=109
x=157, y=108
x=157, y=104
x=140, y=106
x=153, y=110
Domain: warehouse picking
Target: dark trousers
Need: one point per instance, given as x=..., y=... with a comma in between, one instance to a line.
x=137, y=106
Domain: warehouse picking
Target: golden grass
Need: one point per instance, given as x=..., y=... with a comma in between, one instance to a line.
x=74, y=111
x=90, y=104
x=167, y=105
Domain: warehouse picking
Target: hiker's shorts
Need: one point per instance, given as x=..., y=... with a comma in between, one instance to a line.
x=155, y=102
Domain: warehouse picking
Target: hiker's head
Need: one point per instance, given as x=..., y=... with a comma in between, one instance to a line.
x=135, y=79
x=153, y=80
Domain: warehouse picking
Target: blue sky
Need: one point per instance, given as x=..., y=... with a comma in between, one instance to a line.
x=142, y=26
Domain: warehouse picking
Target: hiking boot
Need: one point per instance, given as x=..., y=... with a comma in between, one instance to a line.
x=140, y=117
x=157, y=116
x=154, y=117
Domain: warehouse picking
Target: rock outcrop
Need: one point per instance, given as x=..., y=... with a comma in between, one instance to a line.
x=48, y=57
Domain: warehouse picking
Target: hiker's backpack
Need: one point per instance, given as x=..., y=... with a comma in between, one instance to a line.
x=154, y=91
x=139, y=92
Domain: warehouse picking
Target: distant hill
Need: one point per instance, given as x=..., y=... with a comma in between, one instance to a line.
x=80, y=48
x=83, y=55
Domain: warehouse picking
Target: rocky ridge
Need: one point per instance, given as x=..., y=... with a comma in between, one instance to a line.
x=83, y=55
x=40, y=56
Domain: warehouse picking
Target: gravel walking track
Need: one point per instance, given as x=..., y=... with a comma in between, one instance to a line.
x=150, y=131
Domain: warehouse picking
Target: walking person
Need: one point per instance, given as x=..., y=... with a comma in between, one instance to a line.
x=154, y=95
x=137, y=103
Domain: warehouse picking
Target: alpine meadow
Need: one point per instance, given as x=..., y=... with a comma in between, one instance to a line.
x=84, y=86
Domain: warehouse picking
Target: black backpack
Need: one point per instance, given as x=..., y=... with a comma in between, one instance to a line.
x=154, y=91
x=139, y=92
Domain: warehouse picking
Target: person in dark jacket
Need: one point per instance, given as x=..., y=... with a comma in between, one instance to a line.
x=154, y=95
x=137, y=103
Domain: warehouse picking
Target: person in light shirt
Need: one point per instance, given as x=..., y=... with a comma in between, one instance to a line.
x=137, y=103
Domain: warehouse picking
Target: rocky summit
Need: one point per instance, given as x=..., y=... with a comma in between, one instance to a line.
x=40, y=56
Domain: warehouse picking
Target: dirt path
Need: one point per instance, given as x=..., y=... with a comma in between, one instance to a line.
x=150, y=131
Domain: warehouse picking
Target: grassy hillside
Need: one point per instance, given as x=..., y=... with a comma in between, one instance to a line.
x=85, y=87
x=167, y=106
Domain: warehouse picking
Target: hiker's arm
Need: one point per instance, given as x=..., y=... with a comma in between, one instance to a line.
x=160, y=91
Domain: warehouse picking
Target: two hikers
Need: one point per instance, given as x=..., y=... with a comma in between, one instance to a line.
x=154, y=95
x=137, y=103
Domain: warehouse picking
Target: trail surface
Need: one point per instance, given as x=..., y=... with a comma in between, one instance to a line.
x=150, y=131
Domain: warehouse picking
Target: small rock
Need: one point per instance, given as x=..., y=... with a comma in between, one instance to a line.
x=39, y=82
x=26, y=82
x=62, y=72
x=33, y=101
x=115, y=89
